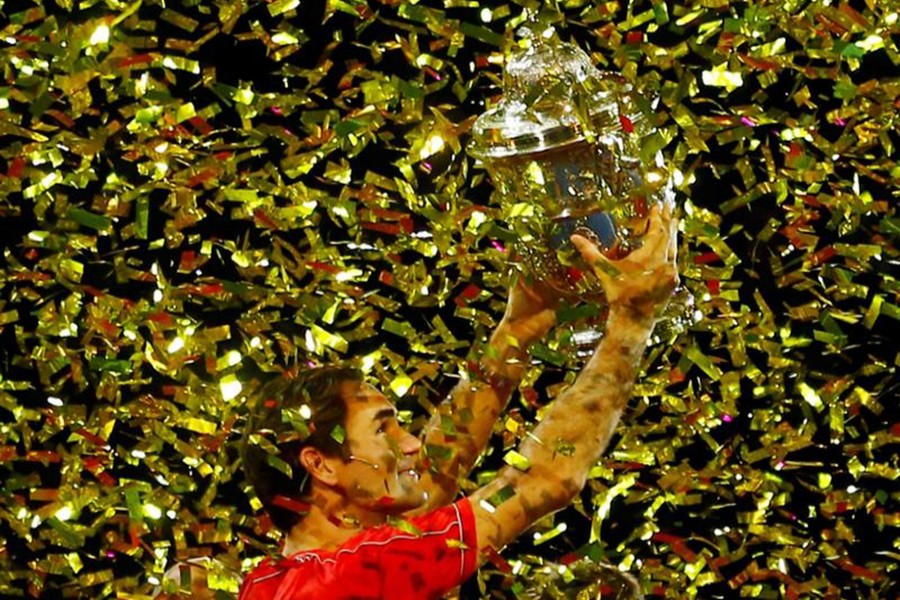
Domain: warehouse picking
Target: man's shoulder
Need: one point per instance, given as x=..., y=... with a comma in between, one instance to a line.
x=267, y=569
x=365, y=557
x=265, y=580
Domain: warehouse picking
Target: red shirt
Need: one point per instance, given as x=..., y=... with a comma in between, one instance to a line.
x=381, y=562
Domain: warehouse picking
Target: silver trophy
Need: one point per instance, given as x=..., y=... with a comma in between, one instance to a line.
x=562, y=148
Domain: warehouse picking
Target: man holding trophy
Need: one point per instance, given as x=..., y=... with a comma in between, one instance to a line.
x=368, y=511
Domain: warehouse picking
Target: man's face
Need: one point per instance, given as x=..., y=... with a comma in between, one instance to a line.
x=382, y=474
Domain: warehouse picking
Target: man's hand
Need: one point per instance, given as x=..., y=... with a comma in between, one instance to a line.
x=530, y=309
x=643, y=280
x=530, y=314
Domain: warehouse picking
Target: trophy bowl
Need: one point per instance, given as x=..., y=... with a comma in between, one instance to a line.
x=563, y=150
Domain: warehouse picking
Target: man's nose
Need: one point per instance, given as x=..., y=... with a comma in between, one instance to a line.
x=410, y=444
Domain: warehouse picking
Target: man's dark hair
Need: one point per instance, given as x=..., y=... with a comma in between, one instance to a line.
x=287, y=414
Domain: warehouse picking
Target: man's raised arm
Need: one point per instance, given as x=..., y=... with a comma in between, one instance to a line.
x=579, y=424
x=461, y=427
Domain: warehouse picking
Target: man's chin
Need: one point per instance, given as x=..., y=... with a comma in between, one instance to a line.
x=410, y=500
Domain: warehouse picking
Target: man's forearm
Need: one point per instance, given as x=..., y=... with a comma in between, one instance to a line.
x=572, y=435
x=461, y=427
x=579, y=424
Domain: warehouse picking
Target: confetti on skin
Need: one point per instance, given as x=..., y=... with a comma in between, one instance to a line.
x=151, y=197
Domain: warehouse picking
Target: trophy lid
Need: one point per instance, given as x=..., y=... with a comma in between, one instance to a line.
x=552, y=96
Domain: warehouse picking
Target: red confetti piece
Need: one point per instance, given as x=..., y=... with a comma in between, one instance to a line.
x=627, y=125
x=726, y=42
x=605, y=589
x=108, y=328
x=791, y=233
x=207, y=289
x=320, y=266
x=93, y=463
x=771, y=574
x=634, y=37
x=617, y=252
x=161, y=317
x=640, y=206
x=498, y=561
x=706, y=258
x=388, y=215
x=43, y=495
x=812, y=201
x=91, y=437
x=203, y=127
x=629, y=465
x=264, y=523
x=713, y=285
x=188, y=260
x=531, y=396
x=470, y=292
x=137, y=59
x=92, y=291
x=677, y=544
x=830, y=25
x=291, y=504
x=97, y=467
x=759, y=63
x=106, y=479
x=16, y=168
x=32, y=277
x=574, y=274
x=42, y=456
x=822, y=256
x=62, y=117
x=693, y=417
x=676, y=375
x=261, y=216
x=202, y=176
x=387, y=228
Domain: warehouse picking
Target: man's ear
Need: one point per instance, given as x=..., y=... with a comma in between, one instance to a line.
x=320, y=467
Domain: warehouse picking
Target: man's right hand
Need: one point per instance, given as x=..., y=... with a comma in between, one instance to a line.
x=530, y=311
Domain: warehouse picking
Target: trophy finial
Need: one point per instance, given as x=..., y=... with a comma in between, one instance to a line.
x=553, y=95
